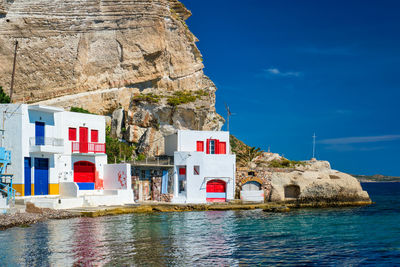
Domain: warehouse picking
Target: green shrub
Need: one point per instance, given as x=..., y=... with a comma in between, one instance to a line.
x=181, y=97
x=285, y=163
x=141, y=157
x=149, y=98
x=117, y=151
x=200, y=93
x=79, y=110
x=4, y=99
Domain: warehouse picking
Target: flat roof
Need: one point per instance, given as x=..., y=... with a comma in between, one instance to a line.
x=43, y=108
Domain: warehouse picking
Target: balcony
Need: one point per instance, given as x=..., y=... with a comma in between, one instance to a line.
x=85, y=148
x=50, y=145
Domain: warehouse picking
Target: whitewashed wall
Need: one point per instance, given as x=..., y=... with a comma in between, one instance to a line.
x=211, y=167
x=187, y=139
x=117, y=176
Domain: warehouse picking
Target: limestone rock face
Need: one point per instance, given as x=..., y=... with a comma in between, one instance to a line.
x=318, y=182
x=101, y=54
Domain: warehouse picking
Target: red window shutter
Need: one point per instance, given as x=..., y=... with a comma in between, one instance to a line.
x=200, y=146
x=216, y=145
x=182, y=171
x=208, y=146
x=222, y=147
x=94, y=136
x=72, y=134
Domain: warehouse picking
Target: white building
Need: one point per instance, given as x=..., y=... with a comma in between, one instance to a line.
x=55, y=152
x=204, y=169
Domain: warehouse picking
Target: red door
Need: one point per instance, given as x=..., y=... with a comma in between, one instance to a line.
x=216, y=191
x=84, y=172
x=83, y=140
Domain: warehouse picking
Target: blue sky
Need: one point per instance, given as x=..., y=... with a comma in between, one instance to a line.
x=288, y=69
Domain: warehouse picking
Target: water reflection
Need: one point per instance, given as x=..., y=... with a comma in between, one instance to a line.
x=304, y=237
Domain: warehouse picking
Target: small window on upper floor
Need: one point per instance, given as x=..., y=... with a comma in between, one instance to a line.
x=196, y=170
x=251, y=174
x=200, y=146
x=94, y=136
x=212, y=146
x=72, y=134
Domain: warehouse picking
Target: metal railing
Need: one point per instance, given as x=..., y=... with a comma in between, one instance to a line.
x=6, y=187
x=159, y=161
x=46, y=141
x=79, y=147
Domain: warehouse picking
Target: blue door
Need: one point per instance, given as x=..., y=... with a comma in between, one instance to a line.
x=39, y=133
x=41, y=176
x=27, y=174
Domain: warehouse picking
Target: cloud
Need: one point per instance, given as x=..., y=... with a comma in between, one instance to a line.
x=346, y=148
x=274, y=72
x=358, y=140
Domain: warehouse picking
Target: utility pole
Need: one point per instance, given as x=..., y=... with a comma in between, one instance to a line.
x=313, y=151
x=13, y=71
x=228, y=115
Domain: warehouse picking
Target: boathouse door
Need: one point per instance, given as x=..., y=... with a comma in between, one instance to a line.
x=27, y=176
x=85, y=175
x=216, y=191
x=41, y=176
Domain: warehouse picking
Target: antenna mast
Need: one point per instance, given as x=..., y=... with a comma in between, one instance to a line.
x=313, y=150
x=228, y=115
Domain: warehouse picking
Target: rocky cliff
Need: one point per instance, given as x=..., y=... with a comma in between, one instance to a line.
x=102, y=55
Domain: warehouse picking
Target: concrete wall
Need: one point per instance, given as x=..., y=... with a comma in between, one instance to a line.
x=211, y=167
x=117, y=176
x=171, y=144
x=187, y=139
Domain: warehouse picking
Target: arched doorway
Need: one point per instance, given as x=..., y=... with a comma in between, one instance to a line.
x=252, y=192
x=251, y=186
x=216, y=191
x=292, y=191
x=84, y=172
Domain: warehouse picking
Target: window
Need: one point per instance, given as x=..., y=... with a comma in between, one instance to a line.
x=94, y=134
x=251, y=174
x=200, y=146
x=212, y=146
x=72, y=134
x=196, y=170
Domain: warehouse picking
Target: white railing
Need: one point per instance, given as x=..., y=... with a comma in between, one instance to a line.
x=46, y=141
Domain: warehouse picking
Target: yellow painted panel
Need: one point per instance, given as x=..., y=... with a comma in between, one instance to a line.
x=19, y=188
x=54, y=189
x=32, y=189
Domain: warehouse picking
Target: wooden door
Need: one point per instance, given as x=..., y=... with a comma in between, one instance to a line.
x=83, y=139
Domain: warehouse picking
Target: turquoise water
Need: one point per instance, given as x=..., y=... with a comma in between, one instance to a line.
x=346, y=236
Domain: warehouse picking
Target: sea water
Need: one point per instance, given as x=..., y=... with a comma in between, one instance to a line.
x=339, y=236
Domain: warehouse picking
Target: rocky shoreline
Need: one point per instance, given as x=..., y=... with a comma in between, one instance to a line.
x=34, y=215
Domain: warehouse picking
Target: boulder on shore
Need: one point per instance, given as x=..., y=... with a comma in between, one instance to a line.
x=316, y=182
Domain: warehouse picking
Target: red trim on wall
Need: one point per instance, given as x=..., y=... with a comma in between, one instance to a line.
x=208, y=146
